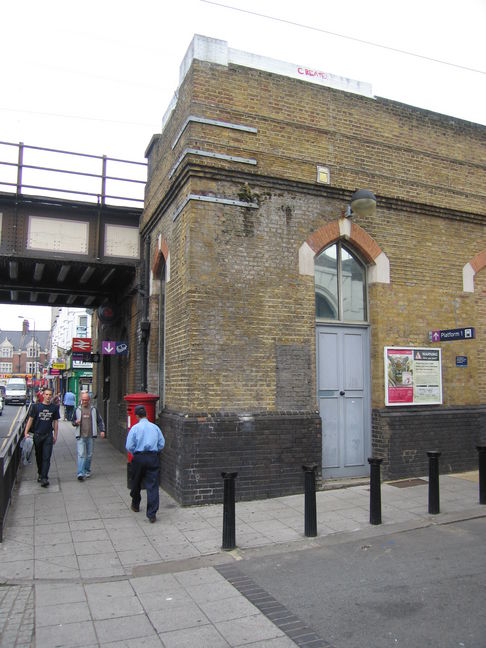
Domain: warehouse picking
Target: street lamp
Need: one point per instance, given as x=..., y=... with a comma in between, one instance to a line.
x=363, y=203
x=34, y=357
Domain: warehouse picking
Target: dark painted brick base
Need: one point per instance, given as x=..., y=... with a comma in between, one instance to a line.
x=402, y=437
x=266, y=450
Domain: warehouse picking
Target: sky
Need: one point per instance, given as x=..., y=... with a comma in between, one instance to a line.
x=96, y=77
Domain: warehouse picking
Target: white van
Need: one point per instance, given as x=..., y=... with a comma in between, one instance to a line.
x=16, y=391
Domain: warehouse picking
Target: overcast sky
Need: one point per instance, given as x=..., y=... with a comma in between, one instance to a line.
x=96, y=77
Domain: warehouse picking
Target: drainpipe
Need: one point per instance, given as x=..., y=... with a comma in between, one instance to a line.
x=145, y=321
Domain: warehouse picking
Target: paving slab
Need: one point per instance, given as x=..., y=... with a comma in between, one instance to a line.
x=93, y=573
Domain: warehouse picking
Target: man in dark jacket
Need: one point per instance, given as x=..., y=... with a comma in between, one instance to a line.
x=44, y=418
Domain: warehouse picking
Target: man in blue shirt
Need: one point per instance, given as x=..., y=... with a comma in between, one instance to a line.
x=69, y=403
x=144, y=442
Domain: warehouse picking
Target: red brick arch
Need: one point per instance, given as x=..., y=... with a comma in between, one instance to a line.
x=343, y=228
x=361, y=240
x=478, y=262
x=161, y=257
x=475, y=265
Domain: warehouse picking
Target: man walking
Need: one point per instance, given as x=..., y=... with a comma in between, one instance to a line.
x=144, y=442
x=44, y=419
x=89, y=423
x=69, y=403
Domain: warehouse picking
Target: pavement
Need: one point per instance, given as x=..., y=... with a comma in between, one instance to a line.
x=78, y=568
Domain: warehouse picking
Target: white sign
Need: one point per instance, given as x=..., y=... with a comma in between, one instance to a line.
x=413, y=376
x=57, y=235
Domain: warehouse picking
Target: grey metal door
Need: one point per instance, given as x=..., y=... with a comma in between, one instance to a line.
x=343, y=383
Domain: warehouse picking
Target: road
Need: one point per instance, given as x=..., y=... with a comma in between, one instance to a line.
x=417, y=589
x=8, y=416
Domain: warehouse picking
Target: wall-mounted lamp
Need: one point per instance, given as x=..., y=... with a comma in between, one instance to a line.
x=363, y=203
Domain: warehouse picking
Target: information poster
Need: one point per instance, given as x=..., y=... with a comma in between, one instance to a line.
x=413, y=376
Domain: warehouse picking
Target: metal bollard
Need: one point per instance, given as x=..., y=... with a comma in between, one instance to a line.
x=434, y=501
x=375, y=490
x=229, y=533
x=482, y=473
x=310, y=520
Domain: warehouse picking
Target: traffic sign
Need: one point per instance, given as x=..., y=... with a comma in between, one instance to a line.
x=81, y=345
x=110, y=347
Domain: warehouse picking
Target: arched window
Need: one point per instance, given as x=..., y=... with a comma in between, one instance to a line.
x=340, y=281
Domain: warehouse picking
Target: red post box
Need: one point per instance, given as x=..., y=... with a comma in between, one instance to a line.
x=141, y=398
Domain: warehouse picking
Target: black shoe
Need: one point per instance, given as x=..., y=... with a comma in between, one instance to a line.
x=152, y=519
x=44, y=483
x=80, y=478
x=39, y=479
x=135, y=509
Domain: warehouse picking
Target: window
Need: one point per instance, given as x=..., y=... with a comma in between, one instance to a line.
x=6, y=352
x=340, y=282
x=31, y=367
x=32, y=351
x=5, y=367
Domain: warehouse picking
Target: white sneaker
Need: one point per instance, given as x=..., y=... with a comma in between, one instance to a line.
x=87, y=475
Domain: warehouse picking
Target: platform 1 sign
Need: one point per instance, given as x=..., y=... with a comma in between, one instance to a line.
x=448, y=335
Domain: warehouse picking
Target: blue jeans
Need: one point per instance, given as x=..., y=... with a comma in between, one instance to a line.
x=85, y=452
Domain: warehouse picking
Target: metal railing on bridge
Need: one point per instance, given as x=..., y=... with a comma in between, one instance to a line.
x=35, y=170
x=10, y=455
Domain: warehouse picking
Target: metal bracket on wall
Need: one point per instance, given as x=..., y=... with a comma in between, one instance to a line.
x=213, y=199
x=212, y=122
x=211, y=154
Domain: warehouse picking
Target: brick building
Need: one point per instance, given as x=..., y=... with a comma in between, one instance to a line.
x=270, y=309
x=23, y=353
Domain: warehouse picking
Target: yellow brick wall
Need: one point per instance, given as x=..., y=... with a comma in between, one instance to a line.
x=235, y=295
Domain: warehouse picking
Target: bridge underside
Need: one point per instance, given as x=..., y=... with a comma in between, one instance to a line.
x=49, y=282
x=61, y=252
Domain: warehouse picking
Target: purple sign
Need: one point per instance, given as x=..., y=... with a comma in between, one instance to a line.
x=108, y=347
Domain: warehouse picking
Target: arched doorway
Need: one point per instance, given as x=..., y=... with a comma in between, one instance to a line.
x=343, y=360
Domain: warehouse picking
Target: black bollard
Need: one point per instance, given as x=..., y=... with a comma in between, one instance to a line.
x=482, y=473
x=310, y=520
x=434, y=500
x=229, y=532
x=375, y=490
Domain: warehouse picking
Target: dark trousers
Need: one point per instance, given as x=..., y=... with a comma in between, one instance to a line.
x=43, y=451
x=69, y=411
x=145, y=466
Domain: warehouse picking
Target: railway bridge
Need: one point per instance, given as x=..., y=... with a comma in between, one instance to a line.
x=69, y=226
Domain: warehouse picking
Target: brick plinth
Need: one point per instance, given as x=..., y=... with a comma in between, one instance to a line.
x=266, y=450
x=403, y=436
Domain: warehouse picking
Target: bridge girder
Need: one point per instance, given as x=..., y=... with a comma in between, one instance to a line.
x=59, y=274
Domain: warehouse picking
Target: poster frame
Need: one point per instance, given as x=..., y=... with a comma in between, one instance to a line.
x=411, y=388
